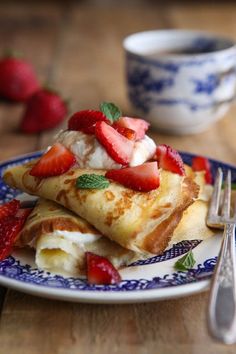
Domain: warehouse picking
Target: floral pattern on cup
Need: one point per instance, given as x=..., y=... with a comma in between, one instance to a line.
x=181, y=93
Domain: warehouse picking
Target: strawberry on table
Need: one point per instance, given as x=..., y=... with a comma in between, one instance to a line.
x=100, y=270
x=117, y=146
x=143, y=178
x=200, y=163
x=18, y=80
x=56, y=161
x=9, y=209
x=169, y=159
x=140, y=126
x=85, y=121
x=44, y=110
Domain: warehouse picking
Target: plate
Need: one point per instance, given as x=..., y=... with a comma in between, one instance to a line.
x=147, y=280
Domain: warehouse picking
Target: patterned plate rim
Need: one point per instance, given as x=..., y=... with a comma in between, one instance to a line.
x=159, y=286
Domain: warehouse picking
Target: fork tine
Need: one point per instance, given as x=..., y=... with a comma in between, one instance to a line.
x=215, y=199
x=227, y=197
x=234, y=207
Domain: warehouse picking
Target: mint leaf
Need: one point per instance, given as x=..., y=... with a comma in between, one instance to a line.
x=186, y=262
x=111, y=111
x=92, y=181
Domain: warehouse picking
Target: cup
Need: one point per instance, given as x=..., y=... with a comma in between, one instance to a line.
x=181, y=81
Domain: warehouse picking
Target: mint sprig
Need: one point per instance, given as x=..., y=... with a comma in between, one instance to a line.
x=92, y=181
x=111, y=111
x=186, y=262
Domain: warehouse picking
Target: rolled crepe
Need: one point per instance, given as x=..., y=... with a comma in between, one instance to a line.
x=143, y=222
x=61, y=239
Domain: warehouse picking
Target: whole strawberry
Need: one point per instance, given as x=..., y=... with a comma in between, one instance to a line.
x=44, y=110
x=18, y=80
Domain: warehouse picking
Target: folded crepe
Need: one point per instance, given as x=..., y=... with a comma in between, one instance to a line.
x=61, y=239
x=193, y=223
x=143, y=222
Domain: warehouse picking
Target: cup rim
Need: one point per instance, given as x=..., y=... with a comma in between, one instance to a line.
x=207, y=34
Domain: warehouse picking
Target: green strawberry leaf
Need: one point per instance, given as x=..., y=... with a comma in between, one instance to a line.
x=92, y=181
x=111, y=111
x=186, y=262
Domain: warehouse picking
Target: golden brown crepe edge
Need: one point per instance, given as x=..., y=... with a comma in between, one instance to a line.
x=157, y=241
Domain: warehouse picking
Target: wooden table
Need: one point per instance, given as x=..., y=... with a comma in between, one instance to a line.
x=76, y=47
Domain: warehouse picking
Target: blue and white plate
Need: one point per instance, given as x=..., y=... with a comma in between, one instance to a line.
x=142, y=281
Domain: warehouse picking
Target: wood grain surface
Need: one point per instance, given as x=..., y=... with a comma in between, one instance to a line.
x=76, y=46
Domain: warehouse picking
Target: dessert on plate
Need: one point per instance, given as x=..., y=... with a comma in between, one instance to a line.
x=128, y=196
x=61, y=239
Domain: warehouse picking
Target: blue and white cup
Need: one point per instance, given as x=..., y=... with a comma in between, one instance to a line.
x=180, y=80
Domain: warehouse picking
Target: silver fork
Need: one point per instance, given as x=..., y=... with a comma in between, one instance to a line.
x=222, y=301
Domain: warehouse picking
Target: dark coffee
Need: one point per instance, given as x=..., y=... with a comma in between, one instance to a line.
x=184, y=51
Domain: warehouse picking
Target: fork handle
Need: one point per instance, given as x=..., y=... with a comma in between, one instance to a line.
x=222, y=301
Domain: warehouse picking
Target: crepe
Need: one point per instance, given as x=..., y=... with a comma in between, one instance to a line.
x=193, y=223
x=143, y=222
x=61, y=239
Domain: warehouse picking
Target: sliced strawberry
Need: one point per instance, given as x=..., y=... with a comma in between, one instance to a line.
x=10, y=227
x=9, y=209
x=128, y=133
x=23, y=213
x=55, y=162
x=200, y=163
x=169, y=159
x=117, y=146
x=143, y=178
x=85, y=121
x=140, y=126
x=100, y=270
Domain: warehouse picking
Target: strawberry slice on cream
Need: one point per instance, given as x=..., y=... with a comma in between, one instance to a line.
x=86, y=120
x=90, y=153
x=140, y=178
x=140, y=126
x=56, y=161
x=118, y=147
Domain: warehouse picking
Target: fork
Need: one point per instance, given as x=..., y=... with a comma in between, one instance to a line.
x=222, y=300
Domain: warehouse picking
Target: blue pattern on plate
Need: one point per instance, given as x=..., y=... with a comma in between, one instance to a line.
x=13, y=269
x=175, y=251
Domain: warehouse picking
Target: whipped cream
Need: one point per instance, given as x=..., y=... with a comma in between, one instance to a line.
x=76, y=237
x=144, y=150
x=91, y=154
x=61, y=252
